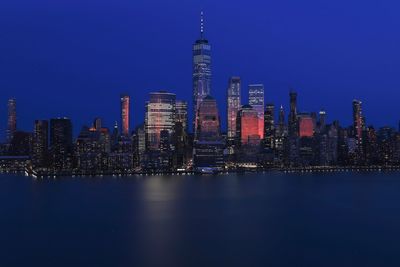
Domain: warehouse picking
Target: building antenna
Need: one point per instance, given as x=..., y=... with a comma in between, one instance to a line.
x=201, y=24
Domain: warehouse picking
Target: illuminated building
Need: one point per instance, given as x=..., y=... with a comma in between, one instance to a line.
x=181, y=108
x=201, y=72
x=40, y=143
x=322, y=120
x=306, y=125
x=269, y=126
x=12, y=119
x=209, y=146
x=233, y=105
x=160, y=115
x=208, y=120
x=125, y=110
x=256, y=100
x=358, y=121
x=247, y=126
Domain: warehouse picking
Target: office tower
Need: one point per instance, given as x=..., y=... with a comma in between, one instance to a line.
x=293, y=131
x=256, y=100
x=181, y=143
x=160, y=115
x=293, y=123
x=40, y=143
x=269, y=126
x=208, y=120
x=305, y=142
x=233, y=105
x=208, y=148
x=97, y=125
x=247, y=126
x=306, y=125
x=92, y=149
x=281, y=122
x=182, y=114
x=12, y=119
x=125, y=108
x=322, y=120
x=314, y=119
x=61, y=142
x=201, y=71
x=358, y=121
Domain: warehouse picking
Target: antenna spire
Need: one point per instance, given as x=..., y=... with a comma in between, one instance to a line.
x=201, y=24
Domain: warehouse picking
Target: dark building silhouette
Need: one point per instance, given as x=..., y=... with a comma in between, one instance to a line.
x=61, y=145
x=40, y=143
x=11, y=119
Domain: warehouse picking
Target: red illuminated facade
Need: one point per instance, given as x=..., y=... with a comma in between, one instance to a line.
x=248, y=126
x=125, y=102
x=306, y=125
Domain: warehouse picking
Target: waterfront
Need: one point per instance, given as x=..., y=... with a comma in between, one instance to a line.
x=271, y=219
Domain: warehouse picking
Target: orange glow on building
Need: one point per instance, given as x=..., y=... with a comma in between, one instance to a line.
x=125, y=100
x=248, y=126
x=306, y=126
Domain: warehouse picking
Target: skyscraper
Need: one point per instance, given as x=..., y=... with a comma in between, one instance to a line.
x=269, y=125
x=12, y=119
x=201, y=71
x=247, y=126
x=40, y=142
x=322, y=120
x=306, y=125
x=358, y=120
x=208, y=147
x=208, y=120
x=160, y=115
x=61, y=142
x=281, y=122
x=256, y=100
x=125, y=106
x=182, y=114
x=293, y=123
x=233, y=105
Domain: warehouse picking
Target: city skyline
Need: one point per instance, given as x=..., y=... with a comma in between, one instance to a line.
x=53, y=92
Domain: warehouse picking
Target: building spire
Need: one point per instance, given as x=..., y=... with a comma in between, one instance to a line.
x=201, y=25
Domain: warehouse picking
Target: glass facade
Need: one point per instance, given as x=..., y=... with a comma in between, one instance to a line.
x=233, y=105
x=160, y=115
x=201, y=72
x=256, y=100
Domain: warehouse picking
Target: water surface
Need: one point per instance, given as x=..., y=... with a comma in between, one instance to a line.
x=347, y=219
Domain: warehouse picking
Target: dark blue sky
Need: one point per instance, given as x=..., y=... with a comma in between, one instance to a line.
x=74, y=57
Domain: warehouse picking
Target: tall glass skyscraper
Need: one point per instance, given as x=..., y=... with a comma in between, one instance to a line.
x=233, y=105
x=293, y=123
x=40, y=142
x=201, y=71
x=12, y=119
x=256, y=100
x=125, y=105
x=182, y=114
x=160, y=116
x=247, y=126
x=208, y=120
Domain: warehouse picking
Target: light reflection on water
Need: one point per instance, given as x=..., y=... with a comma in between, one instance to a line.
x=229, y=220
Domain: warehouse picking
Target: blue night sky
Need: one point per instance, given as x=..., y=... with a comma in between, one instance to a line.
x=74, y=57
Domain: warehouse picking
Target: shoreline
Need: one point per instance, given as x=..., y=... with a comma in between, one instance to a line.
x=300, y=170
